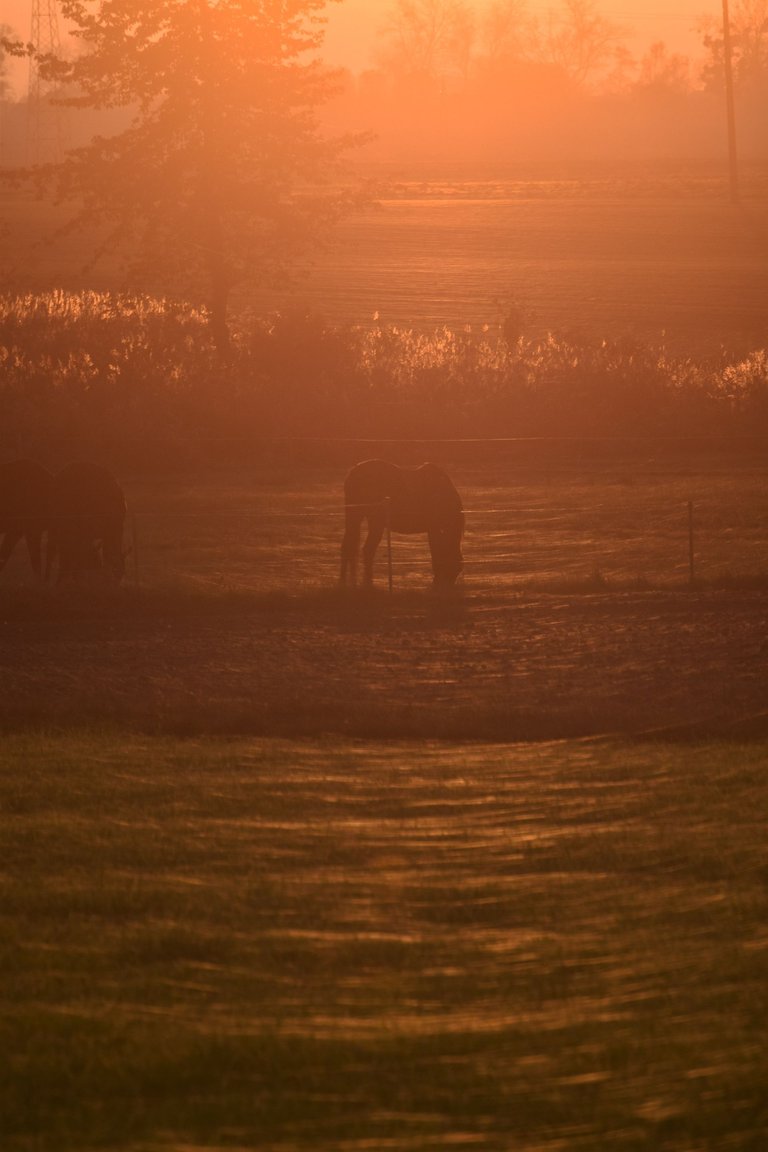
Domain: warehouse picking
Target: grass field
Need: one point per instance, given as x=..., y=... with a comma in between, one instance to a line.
x=669, y=261
x=655, y=253
x=327, y=946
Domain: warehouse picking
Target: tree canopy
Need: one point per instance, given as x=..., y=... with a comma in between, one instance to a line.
x=219, y=176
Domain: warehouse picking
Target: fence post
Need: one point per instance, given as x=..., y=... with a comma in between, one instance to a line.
x=388, y=509
x=691, y=554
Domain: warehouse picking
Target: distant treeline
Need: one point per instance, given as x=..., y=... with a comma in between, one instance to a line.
x=513, y=118
x=138, y=381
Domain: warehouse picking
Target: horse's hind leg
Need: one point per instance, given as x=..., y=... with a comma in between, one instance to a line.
x=376, y=525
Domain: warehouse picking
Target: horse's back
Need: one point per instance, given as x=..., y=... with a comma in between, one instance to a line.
x=371, y=481
x=422, y=498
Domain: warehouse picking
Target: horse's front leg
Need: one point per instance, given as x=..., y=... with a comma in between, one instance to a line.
x=376, y=525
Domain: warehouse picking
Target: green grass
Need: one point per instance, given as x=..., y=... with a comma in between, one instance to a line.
x=332, y=946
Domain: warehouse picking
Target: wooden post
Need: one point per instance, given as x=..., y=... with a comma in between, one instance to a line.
x=388, y=504
x=691, y=556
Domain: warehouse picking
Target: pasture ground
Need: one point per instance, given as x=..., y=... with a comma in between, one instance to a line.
x=537, y=666
x=341, y=945
x=576, y=617
x=266, y=884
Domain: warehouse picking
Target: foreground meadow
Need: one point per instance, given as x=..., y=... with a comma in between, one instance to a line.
x=287, y=946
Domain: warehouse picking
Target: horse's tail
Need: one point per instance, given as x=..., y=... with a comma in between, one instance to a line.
x=350, y=545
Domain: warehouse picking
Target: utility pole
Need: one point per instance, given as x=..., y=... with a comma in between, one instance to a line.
x=730, y=104
x=45, y=121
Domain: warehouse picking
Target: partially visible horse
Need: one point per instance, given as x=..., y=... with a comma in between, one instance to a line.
x=409, y=500
x=87, y=517
x=25, y=500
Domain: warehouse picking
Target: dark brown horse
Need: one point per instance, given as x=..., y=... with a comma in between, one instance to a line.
x=410, y=500
x=25, y=499
x=87, y=518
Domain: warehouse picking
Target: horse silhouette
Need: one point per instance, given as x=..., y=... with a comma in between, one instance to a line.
x=409, y=500
x=87, y=518
x=25, y=505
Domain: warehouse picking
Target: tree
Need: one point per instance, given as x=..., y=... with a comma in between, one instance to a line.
x=506, y=30
x=218, y=178
x=663, y=73
x=429, y=38
x=5, y=34
x=579, y=40
x=749, y=41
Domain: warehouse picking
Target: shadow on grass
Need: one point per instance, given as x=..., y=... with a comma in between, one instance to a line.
x=33, y=602
x=483, y=663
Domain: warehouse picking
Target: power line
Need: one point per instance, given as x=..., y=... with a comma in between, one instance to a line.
x=45, y=120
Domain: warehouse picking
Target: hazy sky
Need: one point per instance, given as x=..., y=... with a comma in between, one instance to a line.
x=353, y=24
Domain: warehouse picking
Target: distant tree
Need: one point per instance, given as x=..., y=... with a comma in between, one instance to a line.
x=749, y=43
x=429, y=38
x=663, y=72
x=218, y=178
x=506, y=30
x=579, y=40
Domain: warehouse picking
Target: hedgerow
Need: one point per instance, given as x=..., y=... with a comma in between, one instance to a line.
x=139, y=380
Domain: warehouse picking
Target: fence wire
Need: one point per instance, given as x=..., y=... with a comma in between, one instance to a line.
x=637, y=538
x=256, y=537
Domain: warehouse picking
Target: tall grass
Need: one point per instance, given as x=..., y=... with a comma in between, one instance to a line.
x=139, y=378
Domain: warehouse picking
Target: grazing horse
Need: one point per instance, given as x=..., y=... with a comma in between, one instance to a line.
x=410, y=500
x=87, y=518
x=25, y=498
